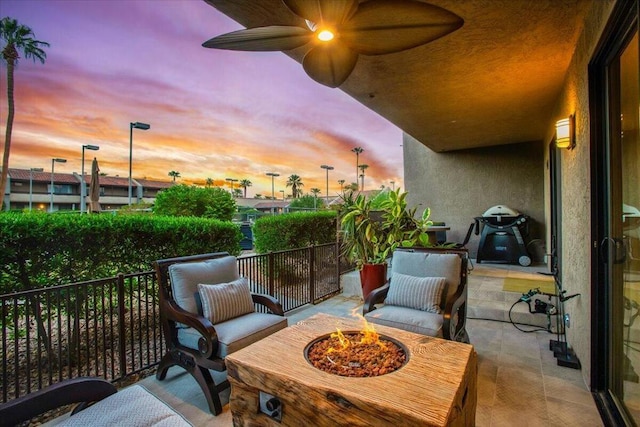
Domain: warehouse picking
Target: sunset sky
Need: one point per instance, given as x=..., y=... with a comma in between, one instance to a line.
x=213, y=113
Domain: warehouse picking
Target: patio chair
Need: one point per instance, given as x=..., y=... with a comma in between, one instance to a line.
x=207, y=312
x=99, y=404
x=426, y=293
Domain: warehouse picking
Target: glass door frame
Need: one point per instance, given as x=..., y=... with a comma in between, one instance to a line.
x=606, y=203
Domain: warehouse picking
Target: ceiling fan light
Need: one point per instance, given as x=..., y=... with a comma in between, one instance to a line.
x=325, y=35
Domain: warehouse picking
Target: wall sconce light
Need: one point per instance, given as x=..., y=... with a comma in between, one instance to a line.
x=566, y=133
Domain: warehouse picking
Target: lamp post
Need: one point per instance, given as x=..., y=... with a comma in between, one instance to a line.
x=83, y=184
x=136, y=125
x=328, y=168
x=31, y=171
x=358, y=151
x=393, y=185
x=282, y=191
x=53, y=163
x=233, y=184
x=272, y=175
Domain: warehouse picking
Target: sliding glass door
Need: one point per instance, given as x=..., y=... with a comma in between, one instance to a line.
x=615, y=102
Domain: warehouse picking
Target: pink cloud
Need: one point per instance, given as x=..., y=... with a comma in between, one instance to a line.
x=212, y=113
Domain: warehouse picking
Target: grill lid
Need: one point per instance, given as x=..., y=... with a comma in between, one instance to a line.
x=629, y=212
x=500, y=211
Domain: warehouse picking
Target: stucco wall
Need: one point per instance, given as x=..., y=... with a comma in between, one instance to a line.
x=576, y=188
x=461, y=185
x=458, y=186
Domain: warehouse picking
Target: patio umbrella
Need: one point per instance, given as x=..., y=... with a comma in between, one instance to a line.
x=94, y=187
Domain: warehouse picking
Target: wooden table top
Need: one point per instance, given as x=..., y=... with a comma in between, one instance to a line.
x=427, y=388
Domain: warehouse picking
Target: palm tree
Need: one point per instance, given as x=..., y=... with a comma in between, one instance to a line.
x=208, y=183
x=362, y=167
x=17, y=37
x=295, y=182
x=244, y=183
x=174, y=174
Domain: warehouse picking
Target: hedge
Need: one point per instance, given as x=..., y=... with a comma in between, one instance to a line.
x=39, y=250
x=294, y=230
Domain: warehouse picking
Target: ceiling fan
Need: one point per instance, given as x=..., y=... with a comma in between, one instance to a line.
x=341, y=30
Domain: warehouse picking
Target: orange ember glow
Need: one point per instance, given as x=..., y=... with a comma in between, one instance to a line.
x=368, y=334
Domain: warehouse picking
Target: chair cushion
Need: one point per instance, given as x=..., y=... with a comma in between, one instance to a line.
x=421, y=293
x=225, y=301
x=131, y=406
x=237, y=333
x=423, y=264
x=408, y=319
x=186, y=276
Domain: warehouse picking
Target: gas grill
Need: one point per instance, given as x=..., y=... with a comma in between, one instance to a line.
x=503, y=236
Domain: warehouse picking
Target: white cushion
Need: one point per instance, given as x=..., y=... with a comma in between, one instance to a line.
x=408, y=319
x=132, y=406
x=186, y=276
x=225, y=301
x=421, y=293
x=237, y=333
x=423, y=264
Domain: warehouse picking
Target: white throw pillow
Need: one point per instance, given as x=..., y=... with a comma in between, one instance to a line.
x=225, y=301
x=421, y=293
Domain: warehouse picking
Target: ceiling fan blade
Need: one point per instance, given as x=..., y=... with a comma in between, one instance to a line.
x=387, y=26
x=262, y=39
x=327, y=12
x=330, y=64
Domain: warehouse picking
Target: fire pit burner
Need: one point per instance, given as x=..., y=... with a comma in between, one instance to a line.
x=351, y=354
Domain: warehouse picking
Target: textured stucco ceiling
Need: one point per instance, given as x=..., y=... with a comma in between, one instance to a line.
x=492, y=82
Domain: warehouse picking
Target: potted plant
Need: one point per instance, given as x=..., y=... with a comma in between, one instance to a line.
x=402, y=225
x=366, y=242
x=370, y=235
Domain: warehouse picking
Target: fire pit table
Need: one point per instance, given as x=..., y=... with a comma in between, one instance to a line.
x=272, y=383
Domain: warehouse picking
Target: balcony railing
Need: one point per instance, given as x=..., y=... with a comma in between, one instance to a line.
x=110, y=327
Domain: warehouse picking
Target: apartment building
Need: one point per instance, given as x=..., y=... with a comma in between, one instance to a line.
x=50, y=192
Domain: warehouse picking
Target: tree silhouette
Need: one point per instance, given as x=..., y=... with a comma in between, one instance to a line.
x=363, y=167
x=295, y=182
x=244, y=183
x=18, y=37
x=174, y=174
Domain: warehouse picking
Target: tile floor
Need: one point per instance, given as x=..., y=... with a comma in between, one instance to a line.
x=519, y=382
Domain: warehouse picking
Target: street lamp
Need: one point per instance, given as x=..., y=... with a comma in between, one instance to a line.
x=272, y=175
x=31, y=171
x=328, y=168
x=358, y=151
x=53, y=163
x=83, y=184
x=136, y=125
x=393, y=185
x=282, y=191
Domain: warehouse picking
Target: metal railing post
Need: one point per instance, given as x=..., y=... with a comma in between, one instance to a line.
x=337, y=254
x=271, y=273
x=121, y=326
x=312, y=274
